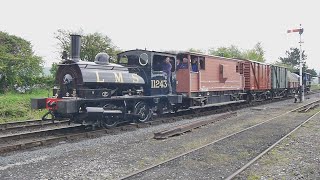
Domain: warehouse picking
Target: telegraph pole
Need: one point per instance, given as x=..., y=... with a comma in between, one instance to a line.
x=301, y=87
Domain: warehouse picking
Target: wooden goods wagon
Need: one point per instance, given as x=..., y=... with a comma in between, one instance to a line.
x=257, y=76
x=279, y=78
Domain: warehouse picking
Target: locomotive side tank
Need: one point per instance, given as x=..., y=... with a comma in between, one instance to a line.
x=83, y=77
x=76, y=78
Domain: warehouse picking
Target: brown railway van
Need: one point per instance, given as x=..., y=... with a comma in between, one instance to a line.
x=211, y=79
x=257, y=76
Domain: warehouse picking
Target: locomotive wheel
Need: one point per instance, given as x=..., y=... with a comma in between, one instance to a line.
x=109, y=122
x=143, y=111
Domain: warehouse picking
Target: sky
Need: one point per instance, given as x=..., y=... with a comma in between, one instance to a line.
x=168, y=24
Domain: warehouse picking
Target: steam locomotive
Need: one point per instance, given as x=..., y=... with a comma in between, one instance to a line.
x=134, y=88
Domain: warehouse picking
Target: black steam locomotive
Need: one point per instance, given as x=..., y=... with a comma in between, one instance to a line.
x=102, y=93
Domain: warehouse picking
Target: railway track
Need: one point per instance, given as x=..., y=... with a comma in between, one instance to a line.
x=24, y=124
x=16, y=127
x=33, y=133
x=27, y=139
x=175, y=167
x=236, y=173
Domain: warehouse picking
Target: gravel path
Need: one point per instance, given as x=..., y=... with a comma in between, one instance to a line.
x=297, y=157
x=113, y=156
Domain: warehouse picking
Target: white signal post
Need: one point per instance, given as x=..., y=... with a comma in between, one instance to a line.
x=301, y=94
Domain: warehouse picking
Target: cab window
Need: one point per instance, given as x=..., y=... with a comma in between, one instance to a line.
x=159, y=60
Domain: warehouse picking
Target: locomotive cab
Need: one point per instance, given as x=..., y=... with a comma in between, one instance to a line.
x=150, y=64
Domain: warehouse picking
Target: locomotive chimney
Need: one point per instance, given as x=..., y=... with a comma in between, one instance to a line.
x=75, y=47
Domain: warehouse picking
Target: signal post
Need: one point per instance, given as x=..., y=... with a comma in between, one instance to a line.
x=301, y=87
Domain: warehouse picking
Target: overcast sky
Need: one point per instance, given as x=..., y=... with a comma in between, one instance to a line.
x=168, y=24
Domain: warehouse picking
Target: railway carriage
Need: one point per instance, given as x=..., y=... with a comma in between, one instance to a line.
x=214, y=80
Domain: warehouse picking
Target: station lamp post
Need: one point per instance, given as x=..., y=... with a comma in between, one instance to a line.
x=300, y=31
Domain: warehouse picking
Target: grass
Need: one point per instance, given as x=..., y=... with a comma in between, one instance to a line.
x=315, y=87
x=17, y=107
x=254, y=177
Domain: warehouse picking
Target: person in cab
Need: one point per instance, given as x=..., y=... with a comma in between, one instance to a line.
x=166, y=68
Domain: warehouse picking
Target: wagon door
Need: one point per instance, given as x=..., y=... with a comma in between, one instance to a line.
x=183, y=74
x=196, y=65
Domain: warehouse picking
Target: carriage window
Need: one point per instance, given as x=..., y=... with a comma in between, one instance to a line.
x=202, y=63
x=182, y=61
x=194, y=64
x=239, y=67
x=197, y=63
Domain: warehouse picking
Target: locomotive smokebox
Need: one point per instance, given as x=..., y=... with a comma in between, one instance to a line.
x=75, y=47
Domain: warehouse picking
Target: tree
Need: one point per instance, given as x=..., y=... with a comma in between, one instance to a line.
x=292, y=59
x=228, y=52
x=91, y=45
x=312, y=72
x=18, y=64
x=53, y=69
x=196, y=50
x=255, y=54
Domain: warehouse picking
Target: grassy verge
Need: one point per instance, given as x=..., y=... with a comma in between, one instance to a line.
x=17, y=107
x=315, y=87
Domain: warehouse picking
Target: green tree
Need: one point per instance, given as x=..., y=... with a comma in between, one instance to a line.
x=91, y=45
x=196, y=50
x=53, y=69
x=18, y=63
x=228, y=52
x=292, y=58
x=313, y=72
x=255, y=54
